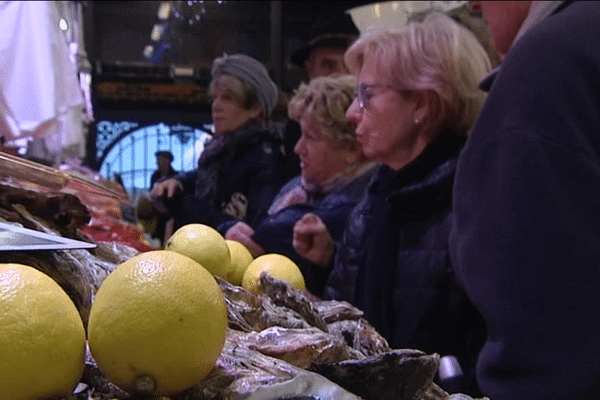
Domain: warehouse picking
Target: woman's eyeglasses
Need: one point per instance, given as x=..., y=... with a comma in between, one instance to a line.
x=365, y=92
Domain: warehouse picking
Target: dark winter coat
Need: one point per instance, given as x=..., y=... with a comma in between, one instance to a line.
x=235, y=179
x=156, y=176
x=526, y=243
x=394, y=264
x=274, y=233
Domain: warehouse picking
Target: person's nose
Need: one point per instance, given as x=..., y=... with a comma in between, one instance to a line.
x=216, y=104
x=353, y=113
x=475, y=6
x=299, y=146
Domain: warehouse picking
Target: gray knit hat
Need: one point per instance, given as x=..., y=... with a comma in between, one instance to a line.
x=251, y=71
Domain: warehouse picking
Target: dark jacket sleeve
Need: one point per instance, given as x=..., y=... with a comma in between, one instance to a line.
x=224, y=226
x=188, y=180
x=526, y=243
x=265, y=181
x=348, y=252
x=155, y=177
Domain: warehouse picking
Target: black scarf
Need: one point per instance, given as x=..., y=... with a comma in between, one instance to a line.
x=217, y=154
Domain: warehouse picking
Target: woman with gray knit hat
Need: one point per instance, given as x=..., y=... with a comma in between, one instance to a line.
x=238, y=171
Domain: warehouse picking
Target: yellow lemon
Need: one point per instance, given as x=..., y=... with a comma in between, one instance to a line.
x=203, y=244
x=42, y=336
x=157, y=324
x=240, y=259
x=276, y=265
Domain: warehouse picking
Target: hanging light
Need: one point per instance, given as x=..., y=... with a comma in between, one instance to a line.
x=190, y=11
x=157, y=32
x=148, y=50
x=164, y=11
x=62, y=24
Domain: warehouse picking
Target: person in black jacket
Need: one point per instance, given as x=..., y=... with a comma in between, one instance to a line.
x=335, y=174
x=164, y=158
x=238, y=171
x=417, y=99
x=526, y=238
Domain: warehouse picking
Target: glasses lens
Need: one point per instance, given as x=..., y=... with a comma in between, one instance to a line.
x=361, y=96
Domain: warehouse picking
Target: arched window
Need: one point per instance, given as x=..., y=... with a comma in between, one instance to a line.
x=127, y=150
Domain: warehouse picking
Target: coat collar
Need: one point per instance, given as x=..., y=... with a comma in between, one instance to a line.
x=435, y=164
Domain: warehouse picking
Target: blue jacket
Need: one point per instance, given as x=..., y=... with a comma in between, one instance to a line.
x=274, y=233
x=526, y=243
x=394, y=263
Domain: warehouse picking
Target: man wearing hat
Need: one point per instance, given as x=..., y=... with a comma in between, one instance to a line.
x=154, y=219
x=330, y=35
x=165, y=170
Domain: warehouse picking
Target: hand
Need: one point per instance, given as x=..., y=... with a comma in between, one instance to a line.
x=241, y=232
x=169, y=186
x=313, y=241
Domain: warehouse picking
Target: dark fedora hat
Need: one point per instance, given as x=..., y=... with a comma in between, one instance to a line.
x=166, y=154
x=333, y=29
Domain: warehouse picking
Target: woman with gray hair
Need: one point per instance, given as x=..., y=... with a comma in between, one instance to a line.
x=238, y=171
x=417, y=98
x=334, y=176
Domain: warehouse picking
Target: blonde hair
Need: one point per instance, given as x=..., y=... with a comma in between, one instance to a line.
x=325, y=100
x=436, y=54
x=241, y=90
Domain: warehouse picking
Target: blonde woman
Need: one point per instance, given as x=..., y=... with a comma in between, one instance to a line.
x=417, y=98
x=334, y=175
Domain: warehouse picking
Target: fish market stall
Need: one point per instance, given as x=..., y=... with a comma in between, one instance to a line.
x=280, y=344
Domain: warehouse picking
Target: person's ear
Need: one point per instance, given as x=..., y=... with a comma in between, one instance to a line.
x=309, y=65
x=255, y=111
x=428, y=108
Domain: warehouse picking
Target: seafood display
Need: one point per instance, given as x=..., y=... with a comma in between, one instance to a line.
x=283, y=344
x=347, y=359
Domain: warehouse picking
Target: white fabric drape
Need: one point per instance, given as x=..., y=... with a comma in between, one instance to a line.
x=40, y=95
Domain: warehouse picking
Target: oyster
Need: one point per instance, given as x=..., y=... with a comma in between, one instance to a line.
x=395, y=375
x=332, y=311
x=305, y=386
x=248, y=312
x=287, y=296
x=240, y=371
x=299, y=347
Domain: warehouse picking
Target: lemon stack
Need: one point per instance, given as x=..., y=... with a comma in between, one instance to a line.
x=157, y=324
